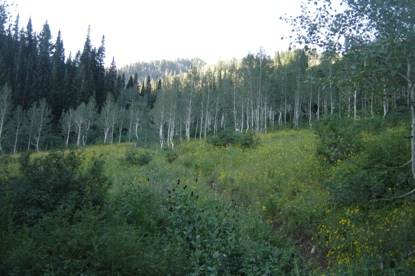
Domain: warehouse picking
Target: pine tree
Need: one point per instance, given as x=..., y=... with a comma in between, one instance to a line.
x=99, y=74
x=42, y=76
x=84, y=78
x=110, y=81
x=130, y=83
x=31, y=55
x=57, y=79
x=69, y=84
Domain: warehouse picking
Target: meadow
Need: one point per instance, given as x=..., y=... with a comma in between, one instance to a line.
x=321, y=201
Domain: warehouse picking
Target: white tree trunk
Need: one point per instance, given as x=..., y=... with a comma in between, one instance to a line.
x=4, y=110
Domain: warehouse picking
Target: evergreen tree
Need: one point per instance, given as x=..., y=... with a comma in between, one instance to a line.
x=99, y=74
x=19, y=97
x=110, y=80
x=42, y=76
x=130, y=83
x=85, y=79
x=31, y=55
x=58, y=99
x=69, y=84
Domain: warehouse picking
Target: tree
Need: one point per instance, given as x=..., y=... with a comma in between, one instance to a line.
x=42, y=76
x=160, y=114
x=99, y=74
x=111, y=80
x=5, y=108
x=107, y=118
x=67, y=122
x=40, y=117
x=58, y=97
x=84, y=80
x=83, y=118
x=380, y=34
x=17, y=125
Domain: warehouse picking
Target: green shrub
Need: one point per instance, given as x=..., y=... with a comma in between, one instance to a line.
x=171, y=155
x=58, y=180
x=138, y=157
x=209, y=233
x=338, y=140
x=228, y=137
x=55, y=207
x=378, y=171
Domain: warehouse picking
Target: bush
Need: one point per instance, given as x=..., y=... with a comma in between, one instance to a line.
x=210, y=234
x=338, y=140
x=50, y=213
x=138, y=157
x=371, y=172
x=227, y=137
x=171, y=155
x=57, y=181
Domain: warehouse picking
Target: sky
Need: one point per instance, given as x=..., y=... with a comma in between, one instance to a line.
x=148, y=30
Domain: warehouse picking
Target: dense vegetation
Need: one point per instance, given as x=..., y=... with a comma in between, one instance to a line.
x=281, y=206
x=297, y=164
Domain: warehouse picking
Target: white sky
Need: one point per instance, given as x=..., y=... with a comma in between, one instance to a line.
x=165, y=29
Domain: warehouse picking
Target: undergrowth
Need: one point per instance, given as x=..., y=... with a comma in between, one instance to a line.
x=298, y=202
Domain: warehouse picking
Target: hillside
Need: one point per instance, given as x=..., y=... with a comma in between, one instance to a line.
x=159, y=68
x=288, y=202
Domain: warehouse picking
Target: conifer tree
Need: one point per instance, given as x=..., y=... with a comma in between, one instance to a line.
x=57, y=76
x=84, y=78
x=31, y=55
x=42, y=76
x=111, y=81
x=99, y=74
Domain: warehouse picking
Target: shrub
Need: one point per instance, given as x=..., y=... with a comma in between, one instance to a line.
x=377, y=171
x=210, y=234
x=58, y=180
x=138, y=157
x=171, y=155
x=227, y=137
x=338, y=140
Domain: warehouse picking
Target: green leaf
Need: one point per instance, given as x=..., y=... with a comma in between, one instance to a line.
x=216, y=255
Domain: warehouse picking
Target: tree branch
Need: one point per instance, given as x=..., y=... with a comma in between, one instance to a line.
x=396, y=197
x=386, y=167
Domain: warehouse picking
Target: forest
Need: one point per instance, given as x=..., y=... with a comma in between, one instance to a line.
x=53, y=101
x=300, y=163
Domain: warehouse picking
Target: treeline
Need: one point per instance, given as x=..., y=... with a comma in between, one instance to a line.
x=48, y=101
x=159, y=68
x=39, y=85
x=35, y=67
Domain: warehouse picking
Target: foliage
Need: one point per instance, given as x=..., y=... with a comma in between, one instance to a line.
x=370, y=162
x=338, y=140
x=210, y=234
x=171, y=155
x=376, y=240
x=57, y=181
x=214, y=239
x=226, y=138
x=275, y=209
x=138, y=157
